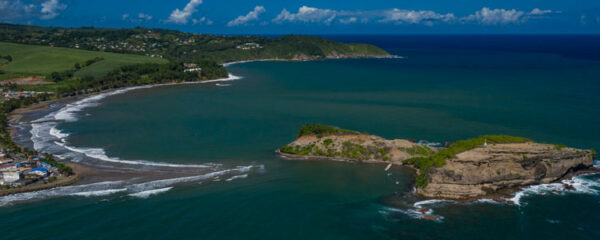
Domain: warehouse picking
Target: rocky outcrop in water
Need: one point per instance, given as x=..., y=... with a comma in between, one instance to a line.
x=354, y=148
x=467, y=169
x=487, y=170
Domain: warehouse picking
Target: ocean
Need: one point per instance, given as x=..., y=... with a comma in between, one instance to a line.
x=197, y=161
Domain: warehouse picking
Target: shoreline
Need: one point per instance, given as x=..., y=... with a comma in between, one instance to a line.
x=80, y=171
x=70, y=180
x=226, y=64
x=506, y=195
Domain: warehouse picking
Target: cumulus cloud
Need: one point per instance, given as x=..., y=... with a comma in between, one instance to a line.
x=10, y=9
x=145, y=16
x=500, y=16
x=202, y=20
x=400, y=16
x=348, y=20
x=537, y=11
x=307, y=15
x=251, y=16
x=51, y=9
x=141, y=17
x=485, y=16
x=182, y=16
x=16, y=9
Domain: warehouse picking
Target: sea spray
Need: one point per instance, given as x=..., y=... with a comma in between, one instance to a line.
x=148, y=193
x=579, y=184
x=143, y=190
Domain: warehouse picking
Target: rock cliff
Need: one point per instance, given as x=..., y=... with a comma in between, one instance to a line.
x=488, y=169
x=466, y=169
x=354, y=147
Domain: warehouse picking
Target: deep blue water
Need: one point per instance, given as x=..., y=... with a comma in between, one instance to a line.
x=444, y=88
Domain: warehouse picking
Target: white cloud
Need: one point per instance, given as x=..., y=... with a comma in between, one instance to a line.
x=400, y=16
x=485, y=16
x=348, y=20
x=145, y=16
x=500, y=16
x=16, y=9
x=537, y=11
x=202, y=20
x=182, y=16
x=251, y=16
x=51, y=9
x=141, y=17
x=10, y=9
x=307, y=15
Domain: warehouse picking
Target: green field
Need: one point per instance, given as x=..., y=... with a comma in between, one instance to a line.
x=31, y=60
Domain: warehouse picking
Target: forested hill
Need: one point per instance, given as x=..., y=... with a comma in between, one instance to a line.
x=187, y=47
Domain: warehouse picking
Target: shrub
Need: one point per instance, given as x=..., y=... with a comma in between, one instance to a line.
x=327, y=142
x=425, y=164
x=322, y=130
x=559, y=146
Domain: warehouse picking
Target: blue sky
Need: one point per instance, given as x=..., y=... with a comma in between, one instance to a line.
x=314, y=17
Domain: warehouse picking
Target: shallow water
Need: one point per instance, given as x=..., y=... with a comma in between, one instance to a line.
x=436, y=92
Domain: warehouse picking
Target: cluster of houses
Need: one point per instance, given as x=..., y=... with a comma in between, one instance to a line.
x=248, y=46
x=191, y=67
x=8, y=95
x=15, y=173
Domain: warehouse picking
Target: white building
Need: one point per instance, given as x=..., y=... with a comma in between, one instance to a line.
x=11, y=177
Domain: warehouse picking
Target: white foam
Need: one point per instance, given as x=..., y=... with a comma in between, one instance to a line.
x=148, y=193
x=141, y=190
x=59, y=191
x=44, y=131
x=577, y=184
x=246, y=61
x=167, y=182
x=431, y=202
x=230, y=78
x=487, y=200
x=412, y=212
x=98, y=193
x=100, y=154
x=67, y=113
x=58, y=133
x=236, y=177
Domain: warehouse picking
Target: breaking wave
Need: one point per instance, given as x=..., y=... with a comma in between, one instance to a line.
x=585, y=184
x=236, y=177
x=99, y=192
x=141, y=190
x=100, y=154
x=146, y=194
x=46, y=136
x=419, y=210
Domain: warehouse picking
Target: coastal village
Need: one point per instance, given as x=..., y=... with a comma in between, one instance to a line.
x=17, y=170
x=145, y=42
x=9, y=95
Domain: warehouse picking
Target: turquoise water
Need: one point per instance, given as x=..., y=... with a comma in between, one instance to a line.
x=435, y=94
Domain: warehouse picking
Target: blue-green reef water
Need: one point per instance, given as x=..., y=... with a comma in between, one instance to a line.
x=211, y=147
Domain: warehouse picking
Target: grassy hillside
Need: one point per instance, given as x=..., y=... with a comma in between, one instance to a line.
x=31, y=60
x=186, y=47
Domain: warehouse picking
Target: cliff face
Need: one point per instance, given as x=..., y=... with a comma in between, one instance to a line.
x=466, y=169
x=486, y=170
x=354, y=147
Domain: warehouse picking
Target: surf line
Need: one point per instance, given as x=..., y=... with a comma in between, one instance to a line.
x=68, y=113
